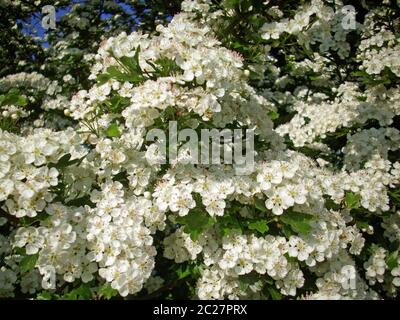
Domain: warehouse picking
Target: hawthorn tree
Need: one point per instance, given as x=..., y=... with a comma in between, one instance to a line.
x=93, y=207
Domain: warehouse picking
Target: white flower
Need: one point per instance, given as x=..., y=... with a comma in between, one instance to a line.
x=182, y=201
x=267, y=177
x=6, y=188
x=298, y=248
x=278, y=200
x=155, y=154
x=228, y=261
x=298, y=193
x=214, y=206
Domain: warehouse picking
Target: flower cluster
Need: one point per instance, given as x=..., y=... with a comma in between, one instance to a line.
x=25, y=179
x=329, y=30
x=379, y=49
x=89, y=208
x=23, y=93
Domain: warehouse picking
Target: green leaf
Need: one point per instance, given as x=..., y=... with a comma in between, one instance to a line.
x=136, y=57
x=13, y=97
x=44, y=296
x=195, y=223
x=182, y=273
x=330, y=204
x=122, y=177
x=275, y=294
x=362, y=224
x=229, y=223
x=131, y=72
x=132, y=63
x=237, y=45
x=28, y=263
x=117, y=103
x=273, y=115
x=188, y=269
x=103, y=78
x=360, y=74
x=107, y=292
x=391, y=260
x=164, y=67
x=247, y=280
x=352, y=200
x=230, y=4
x=65, y=161
x=81, y=293
x=287, y=230
x=80, y=202
x=260, y=205
x=114, y=72
x=113, y=131
x=362, y=98
x=22, y=101
x=29, y=221
x=298, y=221
x=129, y=63
x=259, y=225
x=62, y=162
